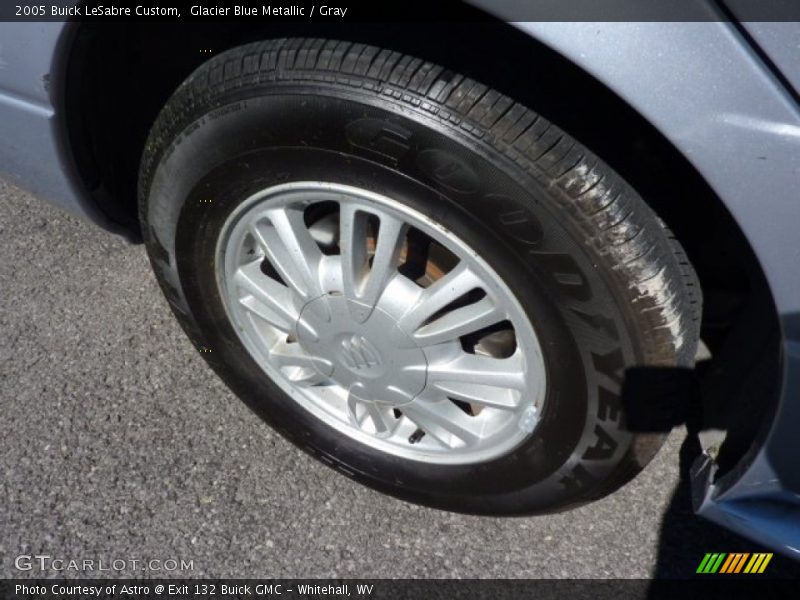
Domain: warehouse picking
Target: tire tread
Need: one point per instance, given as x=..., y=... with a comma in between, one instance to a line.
x=638, y=248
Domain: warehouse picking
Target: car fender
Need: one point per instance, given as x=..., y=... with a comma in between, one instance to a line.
x=710, y=93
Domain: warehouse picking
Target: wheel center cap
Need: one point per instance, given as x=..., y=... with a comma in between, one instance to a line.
x=360, y=356
x=373, y=359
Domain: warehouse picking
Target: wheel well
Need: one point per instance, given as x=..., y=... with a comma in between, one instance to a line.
x=119, y=77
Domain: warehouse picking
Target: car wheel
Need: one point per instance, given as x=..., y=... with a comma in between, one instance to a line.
x=414, y=278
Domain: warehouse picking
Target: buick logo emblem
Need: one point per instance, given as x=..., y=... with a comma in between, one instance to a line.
x=358, y=354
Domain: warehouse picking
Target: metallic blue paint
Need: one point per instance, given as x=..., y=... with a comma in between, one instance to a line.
x=710, y=95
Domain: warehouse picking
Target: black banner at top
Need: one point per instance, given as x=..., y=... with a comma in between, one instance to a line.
x=394, y=10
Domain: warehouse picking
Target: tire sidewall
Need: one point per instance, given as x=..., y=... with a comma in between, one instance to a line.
x=259, y=138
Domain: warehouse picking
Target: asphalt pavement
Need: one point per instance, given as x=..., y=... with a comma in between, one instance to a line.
x=119, y=443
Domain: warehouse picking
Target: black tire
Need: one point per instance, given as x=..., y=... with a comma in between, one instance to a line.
x=603, y=282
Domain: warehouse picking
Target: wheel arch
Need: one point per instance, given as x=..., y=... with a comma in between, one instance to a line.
x=614, y=107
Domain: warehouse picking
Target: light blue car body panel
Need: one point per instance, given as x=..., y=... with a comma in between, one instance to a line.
x=710, y=95
x=33, y=151
x=781, y=43
x=700, y=84
x=28, y=145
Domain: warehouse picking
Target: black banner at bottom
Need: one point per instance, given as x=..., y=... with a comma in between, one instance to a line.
x=389, y=589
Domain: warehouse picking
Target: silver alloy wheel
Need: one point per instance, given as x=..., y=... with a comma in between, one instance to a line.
x=324, y=287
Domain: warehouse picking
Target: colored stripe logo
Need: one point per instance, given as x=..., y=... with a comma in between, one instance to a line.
x=735, y=562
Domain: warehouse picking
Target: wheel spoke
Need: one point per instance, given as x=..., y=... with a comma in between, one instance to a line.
x=444, y=421
x=291, y=250
x=459, y=322
x=439, y=294
x=364, y=283
x=361, y=409
x=474, y=369
x=353, y=248
x=483, y=395
x=387, y=253
x=266, y=298
x=383, y=423
x=309, y=370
